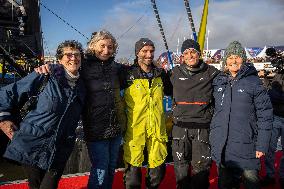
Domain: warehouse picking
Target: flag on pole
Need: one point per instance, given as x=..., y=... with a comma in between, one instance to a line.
x=202, y=28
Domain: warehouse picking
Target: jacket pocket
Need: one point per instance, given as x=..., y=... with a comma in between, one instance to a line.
x=180, y=145
x=47, y=103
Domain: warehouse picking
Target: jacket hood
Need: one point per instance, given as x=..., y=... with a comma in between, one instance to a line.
x=246, y=70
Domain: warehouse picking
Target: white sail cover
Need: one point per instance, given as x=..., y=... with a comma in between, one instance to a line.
x=262, y=53
x=248, y=54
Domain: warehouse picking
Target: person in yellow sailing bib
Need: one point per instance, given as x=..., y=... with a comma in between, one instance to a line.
x=145, y=85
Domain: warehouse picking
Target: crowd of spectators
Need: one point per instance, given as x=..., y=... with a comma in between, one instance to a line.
x=215, y=59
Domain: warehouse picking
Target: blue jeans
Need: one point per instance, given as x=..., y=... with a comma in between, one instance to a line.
x=103, y=155
x=278, y=130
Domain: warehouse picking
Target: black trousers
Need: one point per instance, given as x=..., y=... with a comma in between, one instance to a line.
x=231, y=178
x=132, y=177
x=191, y=147
x=42, y=179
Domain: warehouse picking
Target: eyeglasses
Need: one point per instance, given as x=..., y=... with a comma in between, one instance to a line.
x=70, y=55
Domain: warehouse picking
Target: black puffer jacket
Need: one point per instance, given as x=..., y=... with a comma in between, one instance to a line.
x=103, y=115
x=276, y=94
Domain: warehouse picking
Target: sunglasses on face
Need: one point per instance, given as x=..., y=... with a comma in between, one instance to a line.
x=70, y=55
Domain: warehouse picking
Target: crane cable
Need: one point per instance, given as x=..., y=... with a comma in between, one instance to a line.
x=162, y=31
x=189, y=15
x=175, y=29
x=63, y=20
x=129, y=28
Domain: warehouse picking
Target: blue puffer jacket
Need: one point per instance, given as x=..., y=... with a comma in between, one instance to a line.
x=242, y=119
x=47, y=134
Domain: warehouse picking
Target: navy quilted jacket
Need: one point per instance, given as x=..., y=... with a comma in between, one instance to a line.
x=242, y=119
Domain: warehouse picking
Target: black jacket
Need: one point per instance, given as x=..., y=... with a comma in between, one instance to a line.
x=192, y=93
x=103, y=107
x=276, y=93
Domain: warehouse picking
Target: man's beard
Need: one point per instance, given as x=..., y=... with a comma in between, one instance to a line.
x=145, y=62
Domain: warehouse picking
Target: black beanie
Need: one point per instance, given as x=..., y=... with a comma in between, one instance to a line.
x=141, y=43
x=190, y=44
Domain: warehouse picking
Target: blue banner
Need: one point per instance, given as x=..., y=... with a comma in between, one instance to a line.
x=167, y=101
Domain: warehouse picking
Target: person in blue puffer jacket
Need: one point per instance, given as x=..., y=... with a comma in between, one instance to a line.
x=46, y=135
x=240, y=130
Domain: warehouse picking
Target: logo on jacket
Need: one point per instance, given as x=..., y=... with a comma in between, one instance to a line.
x=182, y=78
x=137, y=86
x=220, y=89
x=222, y=99
x=241, y=90
x=159, y=84
x=179, y=155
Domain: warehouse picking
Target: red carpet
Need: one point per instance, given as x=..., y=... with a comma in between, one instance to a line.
x=80, y=182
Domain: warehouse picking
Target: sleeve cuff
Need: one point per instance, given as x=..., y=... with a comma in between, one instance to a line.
x=4, y=115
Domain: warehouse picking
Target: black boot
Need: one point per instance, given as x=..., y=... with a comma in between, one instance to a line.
x=132, y=177
x=155, y=176
x=200, y=180
x=267, y=180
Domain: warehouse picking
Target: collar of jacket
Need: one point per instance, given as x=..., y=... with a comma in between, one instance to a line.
x=93, y=58
x=192, y=71
x=137, y=72
x=198, y=68
x=246, y=70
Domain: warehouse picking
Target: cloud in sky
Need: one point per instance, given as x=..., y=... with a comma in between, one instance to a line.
x=253, y=23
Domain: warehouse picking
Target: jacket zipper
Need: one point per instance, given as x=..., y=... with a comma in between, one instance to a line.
x=55, y=136
x=228, y=127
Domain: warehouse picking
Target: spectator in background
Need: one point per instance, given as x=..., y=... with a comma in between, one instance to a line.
x=262, y=74
x=276, y=92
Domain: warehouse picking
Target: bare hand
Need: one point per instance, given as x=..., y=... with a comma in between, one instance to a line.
x=258, y=154
x=43, y=69
x=8, y=127
x=261, y=73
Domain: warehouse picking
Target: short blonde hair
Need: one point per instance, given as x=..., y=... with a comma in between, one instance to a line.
x=101, y=35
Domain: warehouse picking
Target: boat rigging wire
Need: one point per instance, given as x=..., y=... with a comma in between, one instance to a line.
x=63, y=20
x=162, y=30
x=189, y=15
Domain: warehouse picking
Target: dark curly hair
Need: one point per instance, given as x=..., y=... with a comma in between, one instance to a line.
x=68, y=43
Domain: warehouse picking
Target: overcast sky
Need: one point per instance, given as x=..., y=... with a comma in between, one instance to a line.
x=255, y=23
